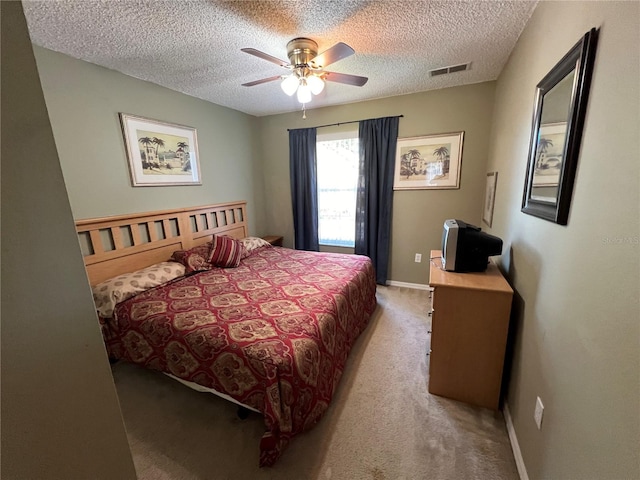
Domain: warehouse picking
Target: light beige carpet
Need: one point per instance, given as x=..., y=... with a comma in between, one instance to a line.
x=382, y=424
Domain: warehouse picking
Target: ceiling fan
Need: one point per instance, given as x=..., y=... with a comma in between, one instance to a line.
x=307, y=68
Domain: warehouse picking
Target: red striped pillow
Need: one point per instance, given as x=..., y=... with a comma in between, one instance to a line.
x=225, y=251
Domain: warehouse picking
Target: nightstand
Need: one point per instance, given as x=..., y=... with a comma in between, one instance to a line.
x=274, y=240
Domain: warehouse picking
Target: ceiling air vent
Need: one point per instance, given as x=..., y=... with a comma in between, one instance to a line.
x=446, y=70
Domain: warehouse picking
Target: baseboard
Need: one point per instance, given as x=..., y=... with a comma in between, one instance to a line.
x=517, y=454
x=417, y=286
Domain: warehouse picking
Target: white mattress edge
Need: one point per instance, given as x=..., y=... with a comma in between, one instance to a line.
x=200, y=388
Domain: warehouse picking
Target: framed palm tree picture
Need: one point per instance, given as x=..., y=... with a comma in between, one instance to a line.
x=429, y=162
x=160, y=153
x=549, y=152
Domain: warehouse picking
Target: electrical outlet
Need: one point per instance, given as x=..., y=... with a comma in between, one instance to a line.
x=418, y=257
x=537, y=414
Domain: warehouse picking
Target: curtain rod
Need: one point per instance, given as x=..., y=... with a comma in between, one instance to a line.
x=345, y=123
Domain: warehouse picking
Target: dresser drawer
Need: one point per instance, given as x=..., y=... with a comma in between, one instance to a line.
x=434, y=320
x=436, y=295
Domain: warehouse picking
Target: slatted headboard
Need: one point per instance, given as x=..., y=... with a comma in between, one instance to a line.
x=125, y=243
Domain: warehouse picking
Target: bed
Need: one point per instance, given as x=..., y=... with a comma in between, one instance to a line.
x=272, y=333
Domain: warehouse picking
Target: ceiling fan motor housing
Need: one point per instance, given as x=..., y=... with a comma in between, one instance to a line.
x=301, y=50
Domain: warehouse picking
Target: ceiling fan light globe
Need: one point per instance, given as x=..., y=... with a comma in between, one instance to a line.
x=316, y=84
x=304, y=93
x=290, y=84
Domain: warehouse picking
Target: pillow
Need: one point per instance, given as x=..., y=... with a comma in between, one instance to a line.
x=195, y=259
x=115, y=290
x=251, y=243
x=225, y=251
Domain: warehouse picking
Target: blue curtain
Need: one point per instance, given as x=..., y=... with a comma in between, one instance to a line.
x=378, y=138
x=304, y=187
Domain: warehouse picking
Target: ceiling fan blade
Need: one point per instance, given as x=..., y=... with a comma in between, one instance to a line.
x=354, y=80
x=265, y=56
x=264, y=80
x=333, y=54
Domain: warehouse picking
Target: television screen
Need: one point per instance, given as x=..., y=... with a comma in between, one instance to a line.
x=466, y=248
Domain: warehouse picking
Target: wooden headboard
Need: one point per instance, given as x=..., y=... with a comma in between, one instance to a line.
x=125, y=243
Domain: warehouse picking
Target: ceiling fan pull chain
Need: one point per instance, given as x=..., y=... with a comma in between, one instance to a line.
x=304, y=112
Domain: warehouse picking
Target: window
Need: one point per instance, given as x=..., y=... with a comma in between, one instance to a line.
x=337, y=167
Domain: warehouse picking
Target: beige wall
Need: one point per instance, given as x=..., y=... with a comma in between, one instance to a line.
x=418, y=215
x=577, y=341
x=83, y=102
x=60, y=413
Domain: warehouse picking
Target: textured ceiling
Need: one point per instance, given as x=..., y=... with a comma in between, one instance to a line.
x=194, y=46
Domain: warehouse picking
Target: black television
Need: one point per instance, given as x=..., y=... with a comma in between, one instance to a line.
x=466, y=248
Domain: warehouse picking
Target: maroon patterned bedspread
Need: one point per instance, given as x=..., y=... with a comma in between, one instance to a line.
x=273, y=333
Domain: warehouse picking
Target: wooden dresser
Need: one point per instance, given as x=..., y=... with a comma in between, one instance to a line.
x=469, y=327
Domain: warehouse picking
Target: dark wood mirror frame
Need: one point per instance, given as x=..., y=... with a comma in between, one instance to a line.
x=579, y=61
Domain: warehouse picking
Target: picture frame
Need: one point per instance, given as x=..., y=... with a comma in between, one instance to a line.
x=560, y=103
x=489, y=197
x=428, y=162
x=160, y=153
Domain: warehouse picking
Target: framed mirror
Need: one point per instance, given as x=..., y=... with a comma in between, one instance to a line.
x=556, y=134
